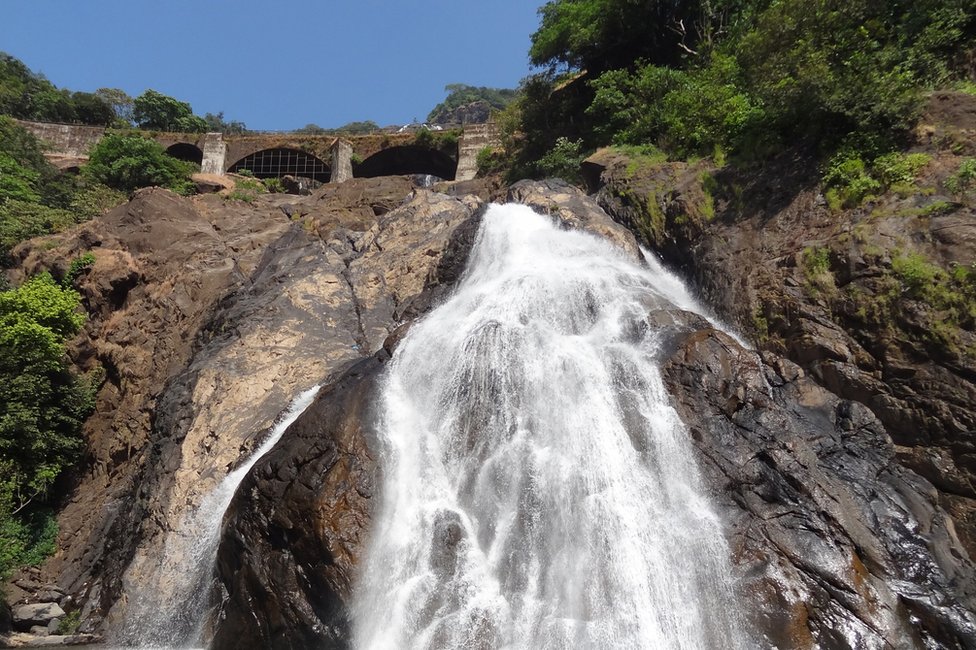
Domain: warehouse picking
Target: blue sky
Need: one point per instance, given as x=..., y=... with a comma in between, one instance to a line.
x=277, y=64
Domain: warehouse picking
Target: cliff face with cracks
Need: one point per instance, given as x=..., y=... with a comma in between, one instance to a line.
x=877, y=303
x=209, y=316
x=836, y=544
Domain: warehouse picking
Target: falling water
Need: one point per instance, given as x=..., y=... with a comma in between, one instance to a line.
x=540, y=492
x=171, y=610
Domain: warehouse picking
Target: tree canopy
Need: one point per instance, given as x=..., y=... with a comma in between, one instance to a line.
x=27, y=95
x=158, y=112
x=746, y=76
x=128, y=162
x=42, y=406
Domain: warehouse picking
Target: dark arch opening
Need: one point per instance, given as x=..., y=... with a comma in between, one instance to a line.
x=408, y=159
x=187, y=152
x=275, y=163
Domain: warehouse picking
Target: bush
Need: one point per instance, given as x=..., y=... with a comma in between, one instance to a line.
x=78, y=264
x=158, y=112
x=563, y=160
x=490, y=161
x=850, y=180
x=964, y=177
x=128, y=162
x=42, y=408
x=21, y=220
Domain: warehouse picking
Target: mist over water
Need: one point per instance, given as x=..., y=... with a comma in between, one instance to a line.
x=171, y=609
x=539, y=491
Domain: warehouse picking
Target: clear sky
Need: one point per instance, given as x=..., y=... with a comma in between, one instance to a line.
x=277, y=64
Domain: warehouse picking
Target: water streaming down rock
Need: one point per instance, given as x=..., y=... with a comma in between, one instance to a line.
x=539, y=491
x=172, y=609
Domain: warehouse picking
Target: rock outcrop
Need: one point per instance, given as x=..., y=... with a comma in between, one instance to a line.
x=841, y=475
x=837, y=544
x=876, y=303
x=207, y=316
x=301, y=518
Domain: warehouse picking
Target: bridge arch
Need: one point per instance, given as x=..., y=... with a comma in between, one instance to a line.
x=282, y=161
x=407, y=159
x=186, y=151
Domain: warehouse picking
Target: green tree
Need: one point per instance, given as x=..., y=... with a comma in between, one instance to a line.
x=217, y=124
x=20, y=87
x=55, y=189
x=128, y=162
x=42, y=406
x=358, y=128
x=90, y=108
x=312, y=129
x=599, y=35
x=122, y=105
x=158, y=112
x=16, y=181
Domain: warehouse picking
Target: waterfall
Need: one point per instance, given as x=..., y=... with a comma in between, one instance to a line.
x=172, y=609
x=539, y=491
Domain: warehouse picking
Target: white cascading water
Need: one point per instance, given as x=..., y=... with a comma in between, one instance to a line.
x=171, y=611
x=539, y=491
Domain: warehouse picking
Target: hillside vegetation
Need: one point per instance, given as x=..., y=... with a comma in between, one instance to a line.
x=743, y=79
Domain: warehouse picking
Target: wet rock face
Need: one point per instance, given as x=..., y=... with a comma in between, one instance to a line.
x=854, y=322
x=297, y=527
x=293, y=537
x=208, y=316
x=837, y=545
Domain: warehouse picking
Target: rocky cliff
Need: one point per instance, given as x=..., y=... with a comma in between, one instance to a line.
x=836, y=456
x=877, y=302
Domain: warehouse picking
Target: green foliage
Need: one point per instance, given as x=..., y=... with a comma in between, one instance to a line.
x=128, y=162
x=95, y=199
x=217, y=124
x=445, y=141
x=27, y=95
x=70, y=622
x=247, y=189
x=312, y=129
x=915, y=272
x=35, y=199
x=563, y=160
x=359, y=128
x=951, y=296
x=78, y=264
x=899, y=168
x=747, y=77
x=598, y=35
x=121, y=104
x=490, y=161
x=26, y=540
x=42, y=408
x=686, y=112
x=158, y=112
x=273, y=185
x=23, y=220
x=850, y=181
x=964, y=178
x=16, y=181
x=462, y=95
x=816, y=269
x=54, y=189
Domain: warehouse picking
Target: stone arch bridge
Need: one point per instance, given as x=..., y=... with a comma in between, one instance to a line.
x=326, y=158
